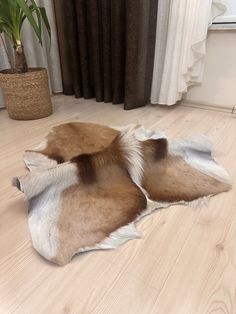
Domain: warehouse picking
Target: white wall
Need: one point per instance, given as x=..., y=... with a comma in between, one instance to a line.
x=219, y=80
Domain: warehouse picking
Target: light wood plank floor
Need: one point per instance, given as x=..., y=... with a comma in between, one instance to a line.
x=185, y=263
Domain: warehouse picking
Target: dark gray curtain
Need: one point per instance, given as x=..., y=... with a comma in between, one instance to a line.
x=107, y=49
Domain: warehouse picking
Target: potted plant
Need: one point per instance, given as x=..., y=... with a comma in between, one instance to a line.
x=25, y=89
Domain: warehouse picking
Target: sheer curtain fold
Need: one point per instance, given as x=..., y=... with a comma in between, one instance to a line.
x=180, y=47
x=111, y=49
x=37, y=56
x=4, y=64
x=48, y=55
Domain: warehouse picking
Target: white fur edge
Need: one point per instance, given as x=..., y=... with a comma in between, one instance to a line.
x=115, y=239
x=43, y=216
x=41, y=145
x=143, y=134
x=36, y=161
x=191, y=150
x=134, y=154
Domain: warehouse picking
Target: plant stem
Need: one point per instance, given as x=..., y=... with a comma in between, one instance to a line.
x=20, y=60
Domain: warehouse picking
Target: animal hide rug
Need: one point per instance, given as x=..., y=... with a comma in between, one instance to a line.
x=89, y=184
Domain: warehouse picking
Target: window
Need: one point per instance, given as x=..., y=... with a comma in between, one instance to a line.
x=230, y=15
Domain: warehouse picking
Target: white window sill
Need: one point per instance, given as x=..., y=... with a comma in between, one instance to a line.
x=223, y=27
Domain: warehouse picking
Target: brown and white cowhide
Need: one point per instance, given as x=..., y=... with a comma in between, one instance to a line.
x=89, y=184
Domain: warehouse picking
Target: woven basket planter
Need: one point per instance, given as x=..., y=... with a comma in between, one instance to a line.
x=27, y=95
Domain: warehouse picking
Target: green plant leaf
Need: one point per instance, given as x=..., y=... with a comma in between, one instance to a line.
x=45, y=20
x=13, y=14
x=25, y=8
x=35, y=8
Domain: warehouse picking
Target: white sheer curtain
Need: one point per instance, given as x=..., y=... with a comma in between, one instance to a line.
x=4, y=64
x=37, y=56
x=180, y=46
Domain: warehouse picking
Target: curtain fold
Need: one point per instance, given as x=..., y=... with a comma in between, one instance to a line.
x=118, y=49
x=110, y=47
x=140, y=50
x=46, y=56
x=4, y=64
x=180, y=47
x=160, y=48
x=67, y=80
x=107, y=62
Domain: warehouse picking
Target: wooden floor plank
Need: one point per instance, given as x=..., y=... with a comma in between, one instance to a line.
x=185, y=261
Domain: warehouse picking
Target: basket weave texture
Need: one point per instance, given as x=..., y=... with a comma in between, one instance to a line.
x=27, y=95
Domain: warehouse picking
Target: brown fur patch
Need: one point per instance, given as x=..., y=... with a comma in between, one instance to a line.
x=86, y=168
x=88, y=164
x=59, y=159
x=156, y=149
x=171, y=180
x=89, y=213
x=75, y=138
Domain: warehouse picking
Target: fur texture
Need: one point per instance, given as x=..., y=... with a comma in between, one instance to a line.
x=90, y=183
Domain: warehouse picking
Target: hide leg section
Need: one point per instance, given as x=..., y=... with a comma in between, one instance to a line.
x=37, y=161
